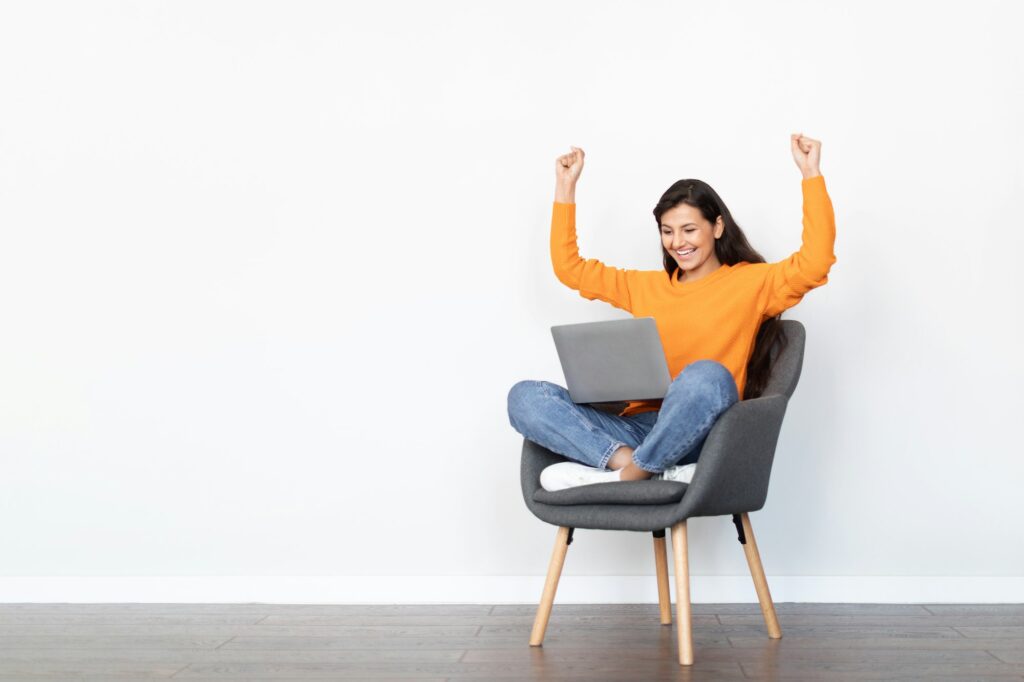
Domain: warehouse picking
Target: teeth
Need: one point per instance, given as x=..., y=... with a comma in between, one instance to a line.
x=683, y=253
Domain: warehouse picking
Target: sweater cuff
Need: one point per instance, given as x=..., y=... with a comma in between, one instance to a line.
x=817, y=180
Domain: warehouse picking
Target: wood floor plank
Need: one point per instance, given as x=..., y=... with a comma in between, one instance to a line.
x=1008, y=654
x=975, y=609
x=128, y=677
x=199, y=630
x=721, y=609
x=100, y=642
x=78, y=670
x=679, y=674
x=799, y=630
x=1007, y=631
x=596, y=620
x=886, y=620
x=586, y=641
x=527, y=670
x=259, y=609
x=182, y=657
x=770, y=653
x=1014, y=654
x=137, y=619
x=355, y=677
x=793, y=641
x=869, y=670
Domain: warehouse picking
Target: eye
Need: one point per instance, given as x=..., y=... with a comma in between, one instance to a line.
x=690, y=229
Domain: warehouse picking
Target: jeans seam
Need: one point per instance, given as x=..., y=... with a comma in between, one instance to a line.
x=608, y=455
x=708, y=421
x=588, y=426
x=720, y=399
x=642, y=467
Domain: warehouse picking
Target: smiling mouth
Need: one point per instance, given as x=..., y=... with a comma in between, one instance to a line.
x=685, y=253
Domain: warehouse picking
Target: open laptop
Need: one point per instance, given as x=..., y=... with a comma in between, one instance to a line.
x=612, y=360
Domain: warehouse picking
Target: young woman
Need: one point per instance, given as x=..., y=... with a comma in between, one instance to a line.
x=716, y=304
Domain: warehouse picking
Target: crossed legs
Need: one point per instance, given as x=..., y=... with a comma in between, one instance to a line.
x=638, y=446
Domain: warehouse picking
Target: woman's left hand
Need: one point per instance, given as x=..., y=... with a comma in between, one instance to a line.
x=806, y=153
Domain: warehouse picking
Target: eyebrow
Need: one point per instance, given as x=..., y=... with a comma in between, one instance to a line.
x=670, y=227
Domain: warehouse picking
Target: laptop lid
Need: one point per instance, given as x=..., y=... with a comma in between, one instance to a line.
x=612, y=360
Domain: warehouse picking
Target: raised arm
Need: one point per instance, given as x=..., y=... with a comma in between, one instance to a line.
x=592, y=278
x=788, y=280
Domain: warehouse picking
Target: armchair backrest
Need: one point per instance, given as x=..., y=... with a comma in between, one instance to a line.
x=736, y=460
x=787, y=363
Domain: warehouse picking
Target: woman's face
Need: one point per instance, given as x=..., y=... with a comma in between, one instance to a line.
x=690, y=239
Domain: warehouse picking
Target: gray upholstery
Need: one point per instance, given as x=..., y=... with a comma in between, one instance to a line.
x=623, y=492
x=731, y=476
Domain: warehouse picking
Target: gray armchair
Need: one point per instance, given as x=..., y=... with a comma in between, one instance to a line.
x=731, y=478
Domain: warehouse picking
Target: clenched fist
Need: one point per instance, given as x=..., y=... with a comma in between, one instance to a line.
x=568, y=167
x=806, y=153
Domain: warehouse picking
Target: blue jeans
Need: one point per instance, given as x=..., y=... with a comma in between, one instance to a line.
x=544, y=413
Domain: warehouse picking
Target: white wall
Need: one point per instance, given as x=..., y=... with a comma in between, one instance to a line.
x=268, y=271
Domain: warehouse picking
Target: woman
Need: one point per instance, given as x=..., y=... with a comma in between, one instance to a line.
x=716, y=305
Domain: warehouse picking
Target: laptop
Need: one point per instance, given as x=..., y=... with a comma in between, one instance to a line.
x=612, y=360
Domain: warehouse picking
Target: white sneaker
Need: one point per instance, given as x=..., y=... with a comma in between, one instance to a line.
x=680, y=472
x=571, y=474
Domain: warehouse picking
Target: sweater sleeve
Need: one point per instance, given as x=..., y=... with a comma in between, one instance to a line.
x=592, y=278
x=788, y=280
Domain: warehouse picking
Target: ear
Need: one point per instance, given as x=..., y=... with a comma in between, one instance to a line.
x=719, y=227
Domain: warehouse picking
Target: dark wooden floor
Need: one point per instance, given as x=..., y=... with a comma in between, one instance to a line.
x=484, y=642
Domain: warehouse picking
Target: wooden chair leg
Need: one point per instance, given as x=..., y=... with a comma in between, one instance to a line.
x=683, y=620
x=760, y=583
x=661, y=567
x=540, y=622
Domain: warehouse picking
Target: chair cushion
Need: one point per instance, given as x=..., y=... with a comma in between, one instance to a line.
x=616, y=492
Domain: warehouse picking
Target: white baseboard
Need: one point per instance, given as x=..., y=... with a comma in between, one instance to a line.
x=501, y=589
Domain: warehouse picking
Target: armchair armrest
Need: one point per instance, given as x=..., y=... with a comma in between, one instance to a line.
x=735, y=462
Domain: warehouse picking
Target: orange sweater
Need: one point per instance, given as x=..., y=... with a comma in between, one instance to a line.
x=717, y=316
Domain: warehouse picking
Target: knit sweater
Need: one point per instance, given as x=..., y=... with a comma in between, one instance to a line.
x=717, y=316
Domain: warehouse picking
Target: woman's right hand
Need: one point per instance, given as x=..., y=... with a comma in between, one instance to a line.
x=568, y=167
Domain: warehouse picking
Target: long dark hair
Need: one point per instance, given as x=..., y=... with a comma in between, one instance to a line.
x=731, y=248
